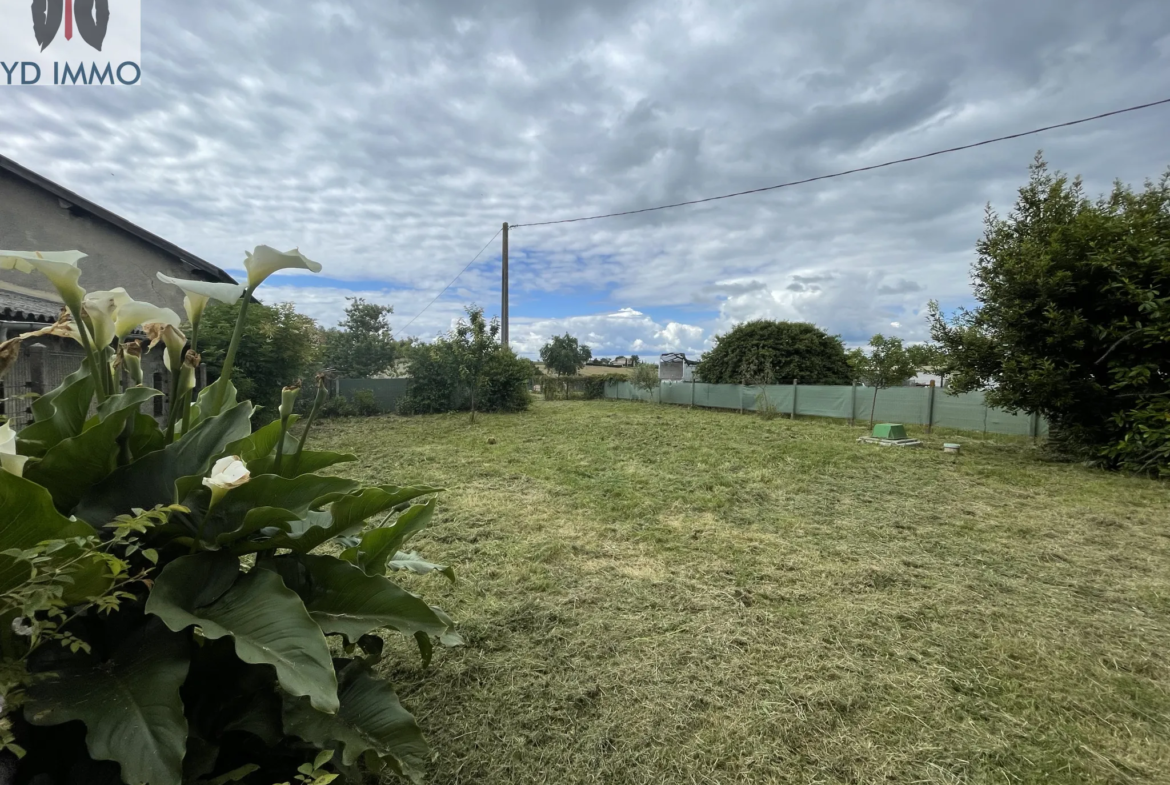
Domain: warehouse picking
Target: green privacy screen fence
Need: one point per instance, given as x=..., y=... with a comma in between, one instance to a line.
x=907, y=405
x=387, y=392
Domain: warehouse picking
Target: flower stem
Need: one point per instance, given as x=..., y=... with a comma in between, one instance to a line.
x=189, y=404
x=318, y=402
x=229, y=361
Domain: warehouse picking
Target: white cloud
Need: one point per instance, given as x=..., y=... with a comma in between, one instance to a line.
x=608, y=334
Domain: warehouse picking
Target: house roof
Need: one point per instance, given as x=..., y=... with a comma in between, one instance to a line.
x=20, y=307
x=80, y=202
x=676, y=357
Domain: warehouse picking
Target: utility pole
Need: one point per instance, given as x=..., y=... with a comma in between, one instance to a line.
x=504, y=293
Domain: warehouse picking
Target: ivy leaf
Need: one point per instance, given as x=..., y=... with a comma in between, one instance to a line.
x=371, y=719
x=267, y=622
x=130, y=704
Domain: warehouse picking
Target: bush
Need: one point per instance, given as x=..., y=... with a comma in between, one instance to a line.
x=1073, y=320
x=645, y=377
x=179, y=631
x=765, y=408
x=767, y=352
x=365, y=404
x=441, y=381
x=588, y=388
x=564, y=356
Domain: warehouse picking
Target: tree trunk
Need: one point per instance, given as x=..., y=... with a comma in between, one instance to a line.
x=873, y=408
x=473, y=406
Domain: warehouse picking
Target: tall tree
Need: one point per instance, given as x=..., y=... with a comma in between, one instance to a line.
x=279, y=346
x=1073, y=320
x=564, y=356
x=888, y=364
x=766, y=352
x=363, y=345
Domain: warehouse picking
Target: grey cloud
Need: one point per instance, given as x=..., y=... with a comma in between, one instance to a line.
x=390, y=140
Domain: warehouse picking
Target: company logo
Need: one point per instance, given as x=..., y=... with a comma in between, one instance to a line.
x=89, y=43
x=93, y=20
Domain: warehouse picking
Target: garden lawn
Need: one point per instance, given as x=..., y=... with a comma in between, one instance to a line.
x=652, y=594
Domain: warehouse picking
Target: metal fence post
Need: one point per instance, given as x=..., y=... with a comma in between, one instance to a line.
x=853, y=406
x=930, y=409
x=36, y=368
x=795, y=382
x=692, y=393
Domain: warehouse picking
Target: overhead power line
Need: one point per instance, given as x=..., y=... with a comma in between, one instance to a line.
x=853, y=171
x=453, y=280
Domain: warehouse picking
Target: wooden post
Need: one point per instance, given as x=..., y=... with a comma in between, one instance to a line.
x=692, y=392
x=36, y=368
x=1035, y=427
x=930, y=409
x=794, y=386
x=853, y=406
x=504, y=292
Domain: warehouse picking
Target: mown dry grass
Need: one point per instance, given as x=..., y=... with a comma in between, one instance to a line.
x=656, y=595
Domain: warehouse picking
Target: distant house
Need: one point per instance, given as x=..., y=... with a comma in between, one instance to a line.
x=36, y=214
x=620, y=362
x=675, y=367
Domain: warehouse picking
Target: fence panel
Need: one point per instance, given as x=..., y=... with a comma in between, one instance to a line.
x=909, y=405
x=387, y=392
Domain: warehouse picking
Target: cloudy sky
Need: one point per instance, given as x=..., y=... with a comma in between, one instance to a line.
x=390, y=140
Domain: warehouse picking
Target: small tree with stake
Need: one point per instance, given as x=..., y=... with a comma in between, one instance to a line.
x=475, y=339
x=888, y=364
x=645, y=377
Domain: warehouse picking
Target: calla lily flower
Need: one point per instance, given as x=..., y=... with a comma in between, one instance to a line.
x=135, y=313
x=200, y=293
x=264, y=261
x=228, y=473
x=9, y=460
x=59, y=267
x=102, y=308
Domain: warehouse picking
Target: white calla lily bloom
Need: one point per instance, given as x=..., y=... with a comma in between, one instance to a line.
x=9, y=460
x=264, y=261
x=200, y=293
x=102, y=309
x=228, y=473
x=134, y=313
x=59, y=267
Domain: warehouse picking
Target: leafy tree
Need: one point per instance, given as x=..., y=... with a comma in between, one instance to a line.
x=468, y=369
x=645, y=377
x=635, y=360
x=1073, y=320
x=362, y=346
x=888, y=364
x=279, y=346
x=564, y=356
x=765, y=352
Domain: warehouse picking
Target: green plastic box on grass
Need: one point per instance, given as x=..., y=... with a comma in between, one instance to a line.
x=889, y=431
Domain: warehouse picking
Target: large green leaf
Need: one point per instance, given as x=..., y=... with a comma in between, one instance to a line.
x=258, y=444
x=29, y=518
x=130, y=704
x=267, y=622
x=150, y=480
x=59, y=414
x=343, y=600
x=347, y=514
x=148, y=436
x=310, y=461
x=210, y=403
x=74, y=465
x=379, y=546
x=371, y=719
x=295, y=495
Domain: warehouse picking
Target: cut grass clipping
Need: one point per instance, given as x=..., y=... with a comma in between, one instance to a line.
x=657, y=595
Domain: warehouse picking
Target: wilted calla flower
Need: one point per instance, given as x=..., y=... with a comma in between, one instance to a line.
x=228, y=473
x=22, y=626
x=264, y=261
x=288, y=400
x=134, y=313
x=199, y=293
x=60, y=268
x=9, y=460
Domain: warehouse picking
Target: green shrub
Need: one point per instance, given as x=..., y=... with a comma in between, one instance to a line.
x=765, y=408
x=338, y=406
x=466, y=368
x=588, y=388
x=645, y=378
x=365, y=404
x=769, y=352
x=227, y=626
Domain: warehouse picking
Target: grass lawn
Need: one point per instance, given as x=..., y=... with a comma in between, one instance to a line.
x=657, y=595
